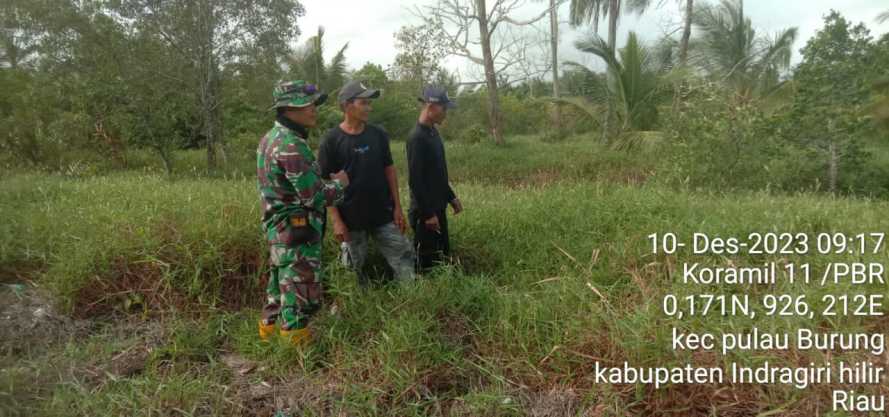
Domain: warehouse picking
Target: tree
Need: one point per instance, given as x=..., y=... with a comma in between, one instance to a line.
x=731, y=51
x=372, y=74
x=686, y=32
x=554, y=49
x=883, y=16
x=880, y=105
x=159, y=116
x=210, y=34
x=420, y=52
x=832, y=90
x=307, y=63
x=640, y=6
x=469, y=23
x=590, y=11
x=632, y=82
x=554, y=56
x=18, y=35
x=79, y=50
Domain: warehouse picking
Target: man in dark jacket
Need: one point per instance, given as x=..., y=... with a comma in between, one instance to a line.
x=428, y=180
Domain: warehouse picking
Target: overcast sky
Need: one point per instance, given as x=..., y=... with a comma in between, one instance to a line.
x=368, y=26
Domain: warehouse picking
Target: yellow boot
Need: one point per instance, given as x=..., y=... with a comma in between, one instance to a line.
x=297, y=337
x=266, y=330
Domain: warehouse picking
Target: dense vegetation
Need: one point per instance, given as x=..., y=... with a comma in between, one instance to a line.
x=132, y=265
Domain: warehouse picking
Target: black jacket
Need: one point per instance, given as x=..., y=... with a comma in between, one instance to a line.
x=427, y=172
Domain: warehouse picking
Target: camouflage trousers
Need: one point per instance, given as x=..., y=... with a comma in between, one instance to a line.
x=294, y=289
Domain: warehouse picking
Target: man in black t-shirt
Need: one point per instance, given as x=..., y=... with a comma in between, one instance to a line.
x=428, y=179
x=371, y=207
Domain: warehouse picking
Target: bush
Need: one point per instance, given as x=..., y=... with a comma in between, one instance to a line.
x=472, y=134
x=711, y=143
x=396, y=110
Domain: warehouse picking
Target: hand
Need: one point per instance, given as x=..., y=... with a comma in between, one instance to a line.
x=342, y=176
x=399, y=220
x=341, y=232
x=457, y=205
x=432, y=224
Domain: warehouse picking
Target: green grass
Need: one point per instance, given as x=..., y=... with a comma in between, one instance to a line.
x=554, y=268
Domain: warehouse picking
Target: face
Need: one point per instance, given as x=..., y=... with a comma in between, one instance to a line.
x=306, y=116
x=358, y=109
x=437, y=113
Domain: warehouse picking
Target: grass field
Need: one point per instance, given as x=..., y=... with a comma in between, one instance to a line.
x=155, y=285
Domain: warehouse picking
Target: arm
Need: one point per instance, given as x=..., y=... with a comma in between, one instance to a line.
x=313, y=193
x=340, y=230
x=454, y=201
x=392, y=180
x=326, y=161
x=398, y=214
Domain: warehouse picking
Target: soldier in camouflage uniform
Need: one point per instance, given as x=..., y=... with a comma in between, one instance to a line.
x=294, y=198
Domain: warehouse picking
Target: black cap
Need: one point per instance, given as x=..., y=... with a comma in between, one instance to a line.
x=438, y=95
x=355, y=89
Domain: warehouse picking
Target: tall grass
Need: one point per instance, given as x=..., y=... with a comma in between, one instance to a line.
x=553, y=272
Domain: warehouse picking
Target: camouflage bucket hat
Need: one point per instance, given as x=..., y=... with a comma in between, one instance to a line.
x=297, y=94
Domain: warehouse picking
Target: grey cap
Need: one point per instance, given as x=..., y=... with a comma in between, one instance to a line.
x=356, y=89
x=438, y=95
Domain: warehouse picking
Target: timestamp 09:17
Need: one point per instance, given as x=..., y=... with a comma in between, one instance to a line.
x=769, y=243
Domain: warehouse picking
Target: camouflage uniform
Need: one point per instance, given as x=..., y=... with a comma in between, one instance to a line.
x=293, y=197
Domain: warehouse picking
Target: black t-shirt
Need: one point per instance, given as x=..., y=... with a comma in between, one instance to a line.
x=427, y=172
x=367, y=203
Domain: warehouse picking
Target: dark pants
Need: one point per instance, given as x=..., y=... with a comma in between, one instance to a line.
x=432, y=247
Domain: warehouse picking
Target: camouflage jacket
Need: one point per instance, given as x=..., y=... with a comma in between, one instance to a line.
x=290, y=179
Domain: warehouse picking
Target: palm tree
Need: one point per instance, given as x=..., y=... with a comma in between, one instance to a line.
x=590, y=11
x=731, y=50
x=586, y=11
x=883, y=16
x=307, y=63
x=632, y=83
x=640, y=6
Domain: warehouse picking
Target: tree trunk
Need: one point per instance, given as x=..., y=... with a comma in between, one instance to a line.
x=167, y=158
x=209, y=126
x=490, y=73
x=554, y=42
x=613, y=13
x=209, y=88
x=683, y=52
x=115, y=146
x=686, y=33
x=832, y=167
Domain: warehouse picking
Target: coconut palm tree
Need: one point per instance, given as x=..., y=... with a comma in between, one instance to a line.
x=590, y=11
x=730, y=49
x=631, y=87
x=308, y=63
x=883, y=16
x=640, y=6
